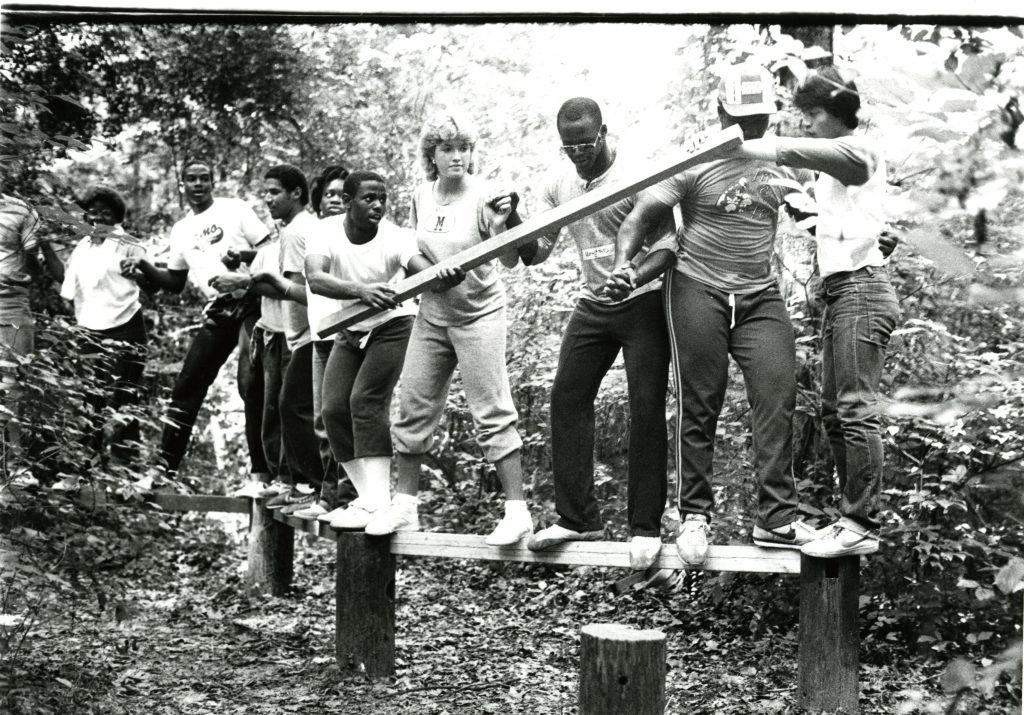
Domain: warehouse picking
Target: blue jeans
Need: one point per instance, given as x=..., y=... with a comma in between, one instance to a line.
x=861, y=311
x=270, y=356
x=707, y=326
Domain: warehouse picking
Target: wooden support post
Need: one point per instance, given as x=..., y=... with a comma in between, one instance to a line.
x=364, y=637
x=271, y=548
x=622, y=670
x=829, y=634
x=716, y=146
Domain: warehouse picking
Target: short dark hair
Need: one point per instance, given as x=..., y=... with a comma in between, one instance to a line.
x=291, y=178
x=577, y=108
x=320, y=183
x=196, y=159
x=105, y=195
x=356, y=178
x=828, y=89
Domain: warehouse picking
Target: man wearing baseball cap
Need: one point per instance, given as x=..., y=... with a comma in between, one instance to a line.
x=721, y=299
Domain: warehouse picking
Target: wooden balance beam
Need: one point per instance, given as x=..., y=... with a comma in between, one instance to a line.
x=716, y=146
x=365, y=587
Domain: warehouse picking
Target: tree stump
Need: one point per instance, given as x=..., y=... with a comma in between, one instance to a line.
x=829, y=634
x=271, y=548
x=364, y=636
x=622, y=670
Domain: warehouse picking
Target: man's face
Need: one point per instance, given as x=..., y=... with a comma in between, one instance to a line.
x=197, y=184
x=582, y=142
x=818, y=123
x=332, y=202
x=366, y=208
x=100, y=212
x=281, y=203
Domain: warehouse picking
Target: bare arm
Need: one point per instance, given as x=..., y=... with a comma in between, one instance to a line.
x=172, y=281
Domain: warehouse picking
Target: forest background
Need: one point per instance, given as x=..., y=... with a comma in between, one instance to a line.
x=123, y=103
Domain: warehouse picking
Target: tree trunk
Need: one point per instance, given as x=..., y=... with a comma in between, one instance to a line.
x=271, y=547
x=829, y=634
x=622, y=670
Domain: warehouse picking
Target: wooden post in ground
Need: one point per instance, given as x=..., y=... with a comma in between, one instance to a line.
x=271, y=548
x=829, y=634
x=622, y=670
x=364, y=637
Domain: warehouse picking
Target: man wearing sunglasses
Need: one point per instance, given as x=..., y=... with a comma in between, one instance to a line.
x=598, y=330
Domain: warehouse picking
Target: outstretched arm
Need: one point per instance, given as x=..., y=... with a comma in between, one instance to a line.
x=848, y=162
x=166, y=279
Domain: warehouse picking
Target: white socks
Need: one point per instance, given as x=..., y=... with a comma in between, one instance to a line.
x=371, y=477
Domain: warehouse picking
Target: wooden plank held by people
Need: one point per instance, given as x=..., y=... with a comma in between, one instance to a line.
x=717, y=145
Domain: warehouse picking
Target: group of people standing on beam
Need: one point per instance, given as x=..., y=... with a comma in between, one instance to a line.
x=686, y=296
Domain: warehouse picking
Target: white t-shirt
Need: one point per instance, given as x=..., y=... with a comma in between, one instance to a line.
x=198, y=241
x=293, y=260
x=103, y=298
x=318, y=307
x=268, y=258
x=381, y=260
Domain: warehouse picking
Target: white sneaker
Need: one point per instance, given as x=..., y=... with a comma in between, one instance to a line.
x=554, y=535
x=514, y=526
x=692, y=542
x=644, y=551
x=402, y=515
x=68, y=484
x=329, y=516
x=273, y=489
x=788, y=536
x=844, y=538
x=313, y=511
x=250, y=490
x=354, y=518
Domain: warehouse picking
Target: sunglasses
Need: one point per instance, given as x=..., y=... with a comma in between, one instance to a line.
x=584, y=148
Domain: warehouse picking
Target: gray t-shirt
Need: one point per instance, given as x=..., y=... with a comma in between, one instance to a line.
x=443, y=230
x=594, y=235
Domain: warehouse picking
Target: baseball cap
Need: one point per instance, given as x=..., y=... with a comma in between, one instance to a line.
x=747, y=89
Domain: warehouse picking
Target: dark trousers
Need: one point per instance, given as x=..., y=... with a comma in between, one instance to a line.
x=296, y=405
x=358, y=384
x=121, y=365
x=221, y=332
x=595, y=335
x=270, y=356
x=708, y=325
x=340, y=490
x=861, y=311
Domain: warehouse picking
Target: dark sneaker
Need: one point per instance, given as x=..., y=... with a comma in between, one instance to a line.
x=789, y=536
x=298, y=501
x=280, y=500
x=842, y=539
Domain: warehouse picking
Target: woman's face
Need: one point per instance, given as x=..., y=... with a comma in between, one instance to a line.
x=331, y=203
x=452, y=158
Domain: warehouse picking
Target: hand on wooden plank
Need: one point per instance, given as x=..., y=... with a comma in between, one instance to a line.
x=718, y=145
x=377, y=295
x=448, y=278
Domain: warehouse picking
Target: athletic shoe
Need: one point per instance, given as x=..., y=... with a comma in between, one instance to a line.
x=644, y=551
x=402, y=515
x=844, y=538
x=313, y=511
x=354, y=517
x=329, y=516
x=281, y=500
x=250, y=489
x=513, y=527
x=273, y=489
x=788, y=536
x=297, y=501
x=692, y=542
x=555, y=535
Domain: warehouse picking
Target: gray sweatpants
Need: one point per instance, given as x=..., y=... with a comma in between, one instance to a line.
x=478, y=348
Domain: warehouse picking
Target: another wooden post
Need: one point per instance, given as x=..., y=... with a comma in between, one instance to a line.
x=622, y=670
x=271, y=548
x=829, y=634
x=364, y=637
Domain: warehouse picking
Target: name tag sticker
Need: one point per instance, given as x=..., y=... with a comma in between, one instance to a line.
x=595, y=252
